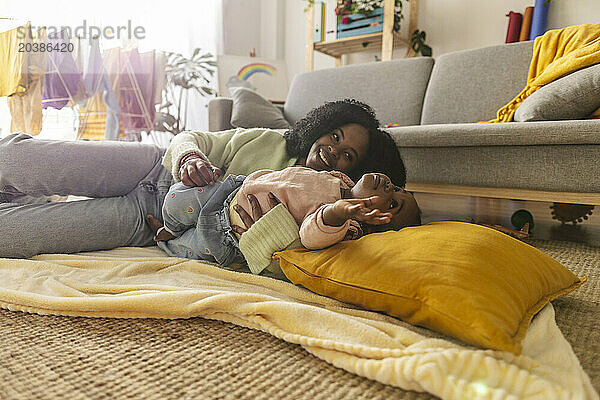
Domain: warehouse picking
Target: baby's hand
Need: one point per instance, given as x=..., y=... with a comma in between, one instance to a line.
x=363, y=210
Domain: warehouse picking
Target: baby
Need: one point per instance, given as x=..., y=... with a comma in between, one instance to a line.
x=326, y=205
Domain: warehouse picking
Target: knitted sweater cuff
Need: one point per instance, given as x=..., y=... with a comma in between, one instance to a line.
x=275, y=231
x=181, y=150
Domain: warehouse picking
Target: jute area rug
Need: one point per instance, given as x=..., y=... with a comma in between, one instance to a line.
x=48, y=357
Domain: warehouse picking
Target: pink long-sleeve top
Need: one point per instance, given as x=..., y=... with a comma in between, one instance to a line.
x=305, y=193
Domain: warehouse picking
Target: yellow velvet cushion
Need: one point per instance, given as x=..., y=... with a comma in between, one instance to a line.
x=467, y=281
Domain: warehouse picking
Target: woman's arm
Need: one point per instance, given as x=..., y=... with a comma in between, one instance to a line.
x=236, y=151
x=266, y=234
x=208, y=146
x=275, y=231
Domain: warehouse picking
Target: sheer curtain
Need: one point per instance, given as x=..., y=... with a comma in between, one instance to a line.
x=176, y=26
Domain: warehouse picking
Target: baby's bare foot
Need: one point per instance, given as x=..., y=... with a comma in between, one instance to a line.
x=155, y=225
x=163, y=236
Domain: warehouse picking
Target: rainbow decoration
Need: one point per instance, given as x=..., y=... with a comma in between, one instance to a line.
x=248, y=70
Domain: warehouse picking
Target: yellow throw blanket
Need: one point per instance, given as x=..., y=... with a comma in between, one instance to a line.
x=142, y=283
x=555, y=54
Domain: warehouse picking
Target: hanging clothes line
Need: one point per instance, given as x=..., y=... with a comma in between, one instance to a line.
x=95, y=82
x=63, y=79
x=129, y=74
x=115, y=91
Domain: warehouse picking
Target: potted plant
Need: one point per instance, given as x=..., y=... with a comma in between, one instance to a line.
x=366, y=7
x=182, y=75
x=417, y=43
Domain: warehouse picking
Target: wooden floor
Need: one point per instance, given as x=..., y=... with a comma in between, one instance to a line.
x=438, y=207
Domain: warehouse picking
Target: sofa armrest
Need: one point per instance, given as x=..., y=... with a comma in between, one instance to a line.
x=219, y=114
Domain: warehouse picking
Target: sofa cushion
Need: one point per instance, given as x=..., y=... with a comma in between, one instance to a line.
x=550, y=156
x=251, y=110
x=574, y=96
x=541, y=133
x=472, y=85
x=395, y=89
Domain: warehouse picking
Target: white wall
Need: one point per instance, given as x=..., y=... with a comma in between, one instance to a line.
x=241, y=22
x=295, y=26
x=272, y=29
x=450, y=25
x=463, y=24
x=254, y=24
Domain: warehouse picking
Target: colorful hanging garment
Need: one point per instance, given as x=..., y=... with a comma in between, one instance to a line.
x=153, y=67
x=114, y=65
x=26, y=108
x=95, y=82
x=63, y=78
x=160, y=77
x=125, y=70
x=137, y=92
x=13, y=60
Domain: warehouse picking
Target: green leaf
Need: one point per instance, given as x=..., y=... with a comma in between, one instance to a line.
x=183, y=74
x=426, y=51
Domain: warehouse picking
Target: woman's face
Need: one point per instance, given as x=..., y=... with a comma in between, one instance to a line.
x=342, y=149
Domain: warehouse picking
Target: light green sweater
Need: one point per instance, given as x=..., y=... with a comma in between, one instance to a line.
x=241, y=152
x=277, y=230
x=236, y=151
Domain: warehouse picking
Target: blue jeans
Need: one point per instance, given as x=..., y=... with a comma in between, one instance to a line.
x=199, y=216
x=126, y=181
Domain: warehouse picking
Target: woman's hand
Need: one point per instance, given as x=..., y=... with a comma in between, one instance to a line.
x=199, y=172
x=257, y=212
x=363, y=210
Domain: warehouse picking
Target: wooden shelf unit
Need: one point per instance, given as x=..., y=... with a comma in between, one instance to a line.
x=355, y=44
x=386, y=40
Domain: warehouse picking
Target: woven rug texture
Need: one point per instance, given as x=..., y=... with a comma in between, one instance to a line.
x=51, y=357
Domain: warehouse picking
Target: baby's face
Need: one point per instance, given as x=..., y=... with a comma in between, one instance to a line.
x=395, y=200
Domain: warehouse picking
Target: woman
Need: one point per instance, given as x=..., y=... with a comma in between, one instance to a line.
x=335, y=136
x=127, y=181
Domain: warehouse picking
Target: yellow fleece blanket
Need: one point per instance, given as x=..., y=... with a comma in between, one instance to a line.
x=555, y=54
x=142, y=283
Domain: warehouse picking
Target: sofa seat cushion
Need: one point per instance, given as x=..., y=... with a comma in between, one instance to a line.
x=501, y=134
x=549, y=156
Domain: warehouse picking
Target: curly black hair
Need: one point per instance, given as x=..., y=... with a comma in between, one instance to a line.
x=382, y=155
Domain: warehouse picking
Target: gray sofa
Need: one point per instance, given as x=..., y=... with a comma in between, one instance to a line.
x=438, y=104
